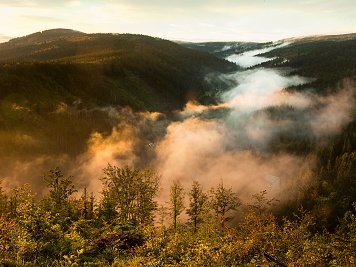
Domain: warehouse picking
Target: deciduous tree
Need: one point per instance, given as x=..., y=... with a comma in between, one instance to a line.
x=131, y=193
x=197, y=204
x=223, y=200
x=176, y=201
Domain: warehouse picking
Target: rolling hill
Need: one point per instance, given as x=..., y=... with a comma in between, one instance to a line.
x=142, y=72
x=56, y=84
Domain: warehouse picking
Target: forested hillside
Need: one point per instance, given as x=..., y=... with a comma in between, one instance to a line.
x=329, y=59
x=224, y=49
x=332, y=61
x=48, y=72
x=116, y=150
x=143, y=72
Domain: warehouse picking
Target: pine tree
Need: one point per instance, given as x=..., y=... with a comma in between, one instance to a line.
x=60, y=190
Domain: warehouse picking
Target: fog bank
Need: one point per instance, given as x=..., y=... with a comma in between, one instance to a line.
x=253, y=133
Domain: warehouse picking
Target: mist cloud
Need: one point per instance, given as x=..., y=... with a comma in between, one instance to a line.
x=116, y=148
x=201, y=150
x=260, y=88
x=251, y=58
x=231, y=141
x=334, y=112
x=235, y=141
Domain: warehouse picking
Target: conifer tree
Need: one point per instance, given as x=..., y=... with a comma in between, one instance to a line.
x=60, y=190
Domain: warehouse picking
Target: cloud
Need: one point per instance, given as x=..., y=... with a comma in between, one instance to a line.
x=250, y=58
x=239, y=140
x=334, y=111
x=116, y=149
x=227, y=20
x=233, y=141
x=260, y=88
x=200, y=150
x=38, y=3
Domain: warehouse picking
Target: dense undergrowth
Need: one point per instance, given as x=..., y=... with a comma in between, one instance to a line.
x=125, y=226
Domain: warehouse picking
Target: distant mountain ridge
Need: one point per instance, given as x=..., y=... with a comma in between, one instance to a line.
x=224, y=49
x=313, y=38
x=41, y=36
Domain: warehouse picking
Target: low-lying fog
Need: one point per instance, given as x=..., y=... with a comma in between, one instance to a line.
x=251, y=58
x=232, y=141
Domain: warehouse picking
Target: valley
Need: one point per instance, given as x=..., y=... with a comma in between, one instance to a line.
x=270, y=127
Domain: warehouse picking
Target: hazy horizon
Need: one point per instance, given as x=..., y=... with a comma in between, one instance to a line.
x=198, y=21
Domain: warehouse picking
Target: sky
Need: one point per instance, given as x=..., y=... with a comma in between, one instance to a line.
x=185, y=20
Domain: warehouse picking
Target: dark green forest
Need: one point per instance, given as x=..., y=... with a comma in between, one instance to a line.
x=330, y=60
x=224, y=49
x=43, y=72
x=59, y=88
x=142, y=72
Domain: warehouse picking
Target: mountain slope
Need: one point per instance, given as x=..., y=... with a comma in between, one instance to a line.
x=142, y=72
x=224, y=49
x=57, y=86
x=330, y=59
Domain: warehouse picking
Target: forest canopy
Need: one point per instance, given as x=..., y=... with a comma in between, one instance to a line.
x=130, y=150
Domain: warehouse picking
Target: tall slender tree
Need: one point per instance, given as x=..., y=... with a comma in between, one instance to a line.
x=176, y=201
x=197, y=204
x=60, y=190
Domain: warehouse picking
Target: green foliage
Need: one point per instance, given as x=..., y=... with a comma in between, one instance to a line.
x=329, y=61
x=344, y=241
x=261, y=203
x=33, y=236
x=3, y=200
x=223, y=200
x=198, y=201
x=60, y=190
x=329, y=190
x=129, y=194
x=85, y=206
x=176, y=201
